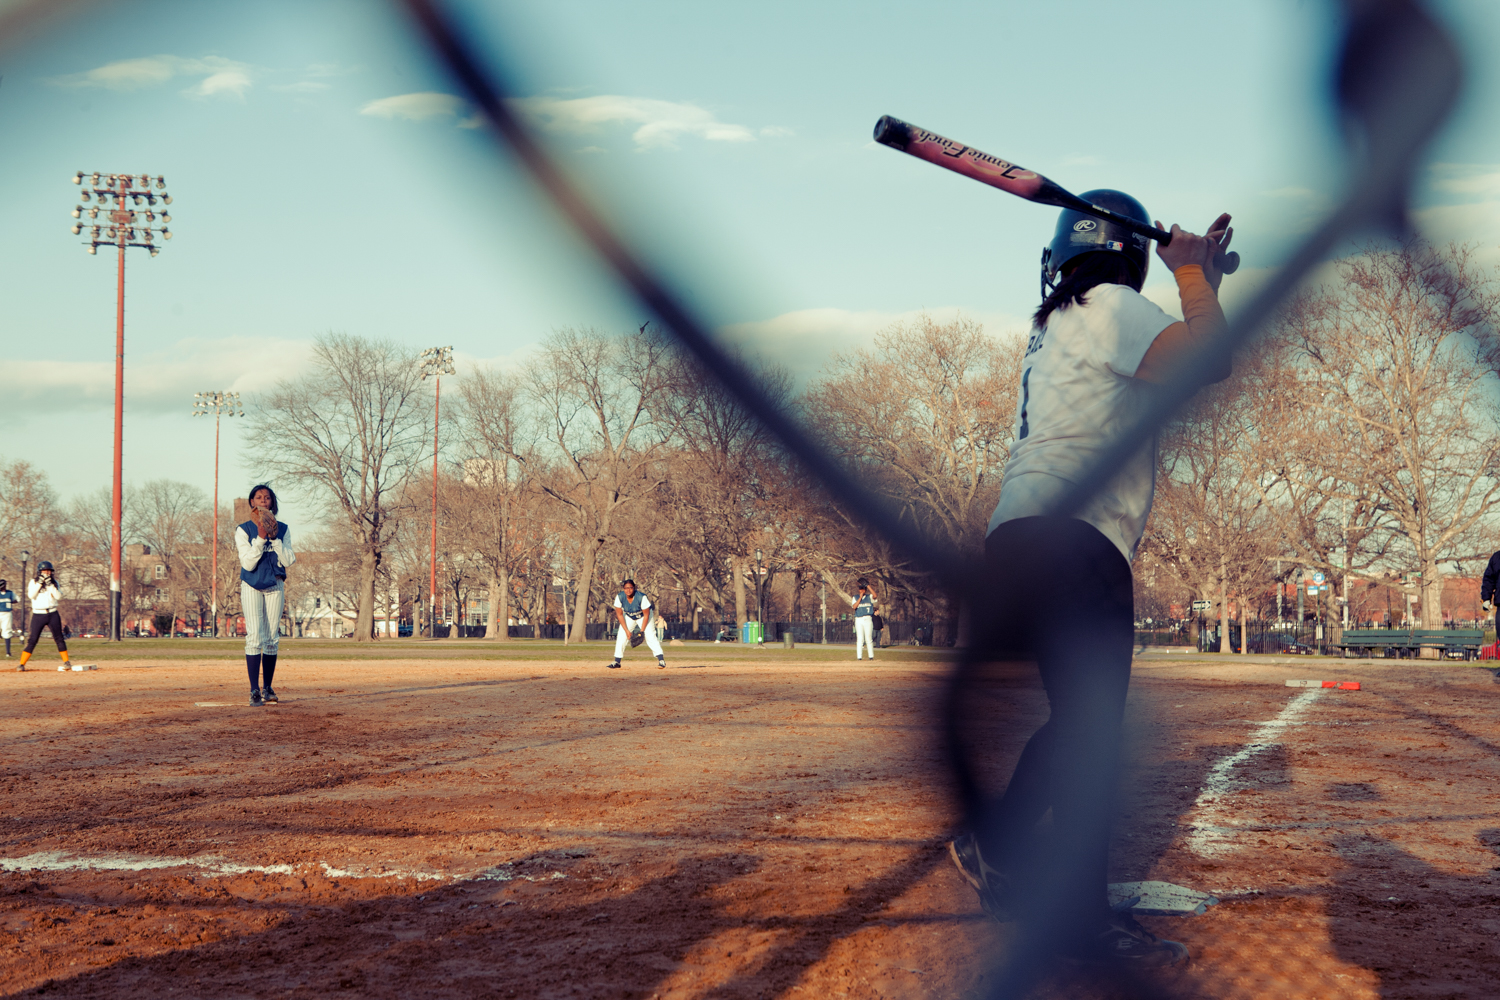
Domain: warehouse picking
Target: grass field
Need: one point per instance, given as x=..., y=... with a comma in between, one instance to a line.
x=468, y=819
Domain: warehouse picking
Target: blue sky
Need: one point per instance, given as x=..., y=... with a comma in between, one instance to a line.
x=325, y=178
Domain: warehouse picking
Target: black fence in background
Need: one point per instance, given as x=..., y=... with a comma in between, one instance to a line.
x=1298, y=638
x=918, y=633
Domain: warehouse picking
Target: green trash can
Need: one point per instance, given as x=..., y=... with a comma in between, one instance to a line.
x=751, y=632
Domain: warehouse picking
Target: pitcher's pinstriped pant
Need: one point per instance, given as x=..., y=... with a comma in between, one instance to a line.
x=262, y=617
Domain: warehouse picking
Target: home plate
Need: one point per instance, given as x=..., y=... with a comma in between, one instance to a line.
x=1161, y=899
x=1339, y=685
x=80, y=667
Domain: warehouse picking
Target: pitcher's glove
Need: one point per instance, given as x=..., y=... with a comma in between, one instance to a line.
x=636, y=638
x=267, y=522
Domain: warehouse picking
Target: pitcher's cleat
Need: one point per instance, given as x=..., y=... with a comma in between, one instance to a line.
x=1125, y=944
x=991, y=884
x=271, y=698
x=255, y=698
x=661, y=663
x=613, y=666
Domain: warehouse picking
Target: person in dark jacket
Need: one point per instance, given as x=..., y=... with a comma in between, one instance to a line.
x=265, y=549
x=1487, y=589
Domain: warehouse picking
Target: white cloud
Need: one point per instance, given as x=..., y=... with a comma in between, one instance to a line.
x=160, y=381
x=230, y=81
x=1475, y=180
x=805, y=341
x=218, y=76
x=417, y=107
x=660, y=123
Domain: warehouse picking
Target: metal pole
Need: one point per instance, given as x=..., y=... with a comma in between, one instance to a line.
x=823, y=604
x=432, y=583
x=214, y=600
x=116, y=540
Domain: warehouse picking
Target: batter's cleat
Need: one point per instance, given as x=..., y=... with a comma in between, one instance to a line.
x=991, y=884
x=271, y=698
x=255, y=699
x=614, y=666
x=1125, y=944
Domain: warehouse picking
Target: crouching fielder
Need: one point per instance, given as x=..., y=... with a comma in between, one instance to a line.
x=265, y=549
x=635, y=612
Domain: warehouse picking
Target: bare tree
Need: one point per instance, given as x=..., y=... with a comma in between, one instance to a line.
x=1211, y=524
x=925, y=413
x=349, y=430
x=601, y=401
x=493, y=500
x=1389, y=369
x=171, y=522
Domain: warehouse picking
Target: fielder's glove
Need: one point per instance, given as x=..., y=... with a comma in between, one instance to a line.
x=636, y=638
x=267, y=522
x=1489, y=606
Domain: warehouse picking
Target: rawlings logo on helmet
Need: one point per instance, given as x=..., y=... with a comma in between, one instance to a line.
x=1085, y=225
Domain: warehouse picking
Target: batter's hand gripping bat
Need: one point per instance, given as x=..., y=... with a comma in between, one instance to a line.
x=1008, y=177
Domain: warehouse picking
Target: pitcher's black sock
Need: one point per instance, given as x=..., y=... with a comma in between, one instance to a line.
x=268, y=666
x=252, y=664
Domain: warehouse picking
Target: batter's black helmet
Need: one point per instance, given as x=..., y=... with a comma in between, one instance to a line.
x=44, y=564
x=1079, y=233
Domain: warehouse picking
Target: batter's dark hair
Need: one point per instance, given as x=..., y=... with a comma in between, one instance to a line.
x=1090, y=270
x=275, y=508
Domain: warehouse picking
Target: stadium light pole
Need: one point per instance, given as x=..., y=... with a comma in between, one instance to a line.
x=118, y=196
x=219, y=404
x=436, y=362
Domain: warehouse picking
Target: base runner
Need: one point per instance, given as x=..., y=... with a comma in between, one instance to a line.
x=634, y=611
x=1096, y=347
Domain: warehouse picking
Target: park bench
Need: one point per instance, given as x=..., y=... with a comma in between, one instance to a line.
x=1456, y=643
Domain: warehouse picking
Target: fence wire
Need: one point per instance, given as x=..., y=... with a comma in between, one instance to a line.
x=1397, y=79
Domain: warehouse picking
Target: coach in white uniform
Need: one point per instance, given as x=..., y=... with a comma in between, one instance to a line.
x=1062, y=592
x=634, y=611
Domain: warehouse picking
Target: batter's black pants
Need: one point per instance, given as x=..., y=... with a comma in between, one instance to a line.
x=1062, y=597
x=50, y=620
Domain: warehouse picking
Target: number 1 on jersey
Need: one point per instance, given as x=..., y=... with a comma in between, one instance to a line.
x=1025, y=398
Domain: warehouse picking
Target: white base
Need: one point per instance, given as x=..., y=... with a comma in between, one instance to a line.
x=1161, y=899
x=78, y=667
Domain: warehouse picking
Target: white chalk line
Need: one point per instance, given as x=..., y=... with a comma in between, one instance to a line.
x=60, y=861
x=1213, y=829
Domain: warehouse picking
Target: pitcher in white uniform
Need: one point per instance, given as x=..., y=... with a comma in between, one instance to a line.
x=1062, y=593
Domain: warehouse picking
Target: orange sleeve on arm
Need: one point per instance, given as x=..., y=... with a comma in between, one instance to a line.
x=1204, y=321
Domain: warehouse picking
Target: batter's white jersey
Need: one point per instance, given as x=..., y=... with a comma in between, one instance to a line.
x=1077, y=392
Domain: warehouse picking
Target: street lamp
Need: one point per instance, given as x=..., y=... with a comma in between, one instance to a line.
x=128, y=204
x=25, y=593
x=760, y=596
x=218, y=404
x=436, y=362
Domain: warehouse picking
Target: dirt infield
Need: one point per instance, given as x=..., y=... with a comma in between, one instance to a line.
x=743, y=824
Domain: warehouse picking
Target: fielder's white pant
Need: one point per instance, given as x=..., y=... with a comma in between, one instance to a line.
x=262, y=617
x=623, y=639
x=7, y=624
x=864, y=636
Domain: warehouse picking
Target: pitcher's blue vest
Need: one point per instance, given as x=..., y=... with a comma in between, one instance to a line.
x=866, y=606
x=631, y=605
x=269, y=569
